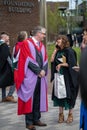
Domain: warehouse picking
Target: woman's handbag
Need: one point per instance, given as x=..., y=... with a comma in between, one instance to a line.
x=59, y=86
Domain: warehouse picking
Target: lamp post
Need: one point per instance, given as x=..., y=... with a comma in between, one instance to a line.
x=43, y=13
x=76, y=6
x=63, y=15
x=68, y=21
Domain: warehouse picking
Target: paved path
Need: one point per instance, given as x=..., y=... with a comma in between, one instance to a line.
x=10, y=121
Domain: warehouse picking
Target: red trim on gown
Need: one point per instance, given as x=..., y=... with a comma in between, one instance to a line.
x=24, y=107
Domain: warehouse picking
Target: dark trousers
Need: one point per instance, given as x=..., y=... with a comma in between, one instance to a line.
x=3, y=92
x=30, y=118
x=10, y=93
x=11, y=90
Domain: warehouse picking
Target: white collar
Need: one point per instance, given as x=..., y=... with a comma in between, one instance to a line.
x=2, y=40
x=35, y=41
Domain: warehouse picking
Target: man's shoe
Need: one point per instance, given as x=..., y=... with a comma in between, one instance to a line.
x=31, y=127
x=39, y=123
x=11, y=99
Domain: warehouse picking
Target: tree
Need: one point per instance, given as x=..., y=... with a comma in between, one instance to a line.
x=54, y=21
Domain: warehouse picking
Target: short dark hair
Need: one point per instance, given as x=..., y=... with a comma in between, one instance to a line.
x=85, y=29
x=69, y=36
x=31, y=33
x=4, y=33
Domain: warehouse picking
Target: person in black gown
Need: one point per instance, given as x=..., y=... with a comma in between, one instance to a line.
x=62, y=60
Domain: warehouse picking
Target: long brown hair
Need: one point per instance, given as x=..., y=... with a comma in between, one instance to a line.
x=65, y=40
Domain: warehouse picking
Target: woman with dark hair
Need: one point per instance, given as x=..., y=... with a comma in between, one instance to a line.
x=62, y=61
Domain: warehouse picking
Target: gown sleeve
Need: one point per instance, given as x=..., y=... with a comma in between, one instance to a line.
x=72, y=61
x=4, y=53
x=36, y=69
x=45, y=68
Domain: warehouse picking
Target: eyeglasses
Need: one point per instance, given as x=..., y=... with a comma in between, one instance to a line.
x=42, y=33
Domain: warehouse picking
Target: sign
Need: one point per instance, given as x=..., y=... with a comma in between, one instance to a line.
x=18, y=6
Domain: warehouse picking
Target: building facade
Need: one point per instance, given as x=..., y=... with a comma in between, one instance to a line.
x=83, y=12
x=18, y=15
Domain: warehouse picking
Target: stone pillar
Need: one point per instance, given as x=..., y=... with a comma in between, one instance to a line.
x=43, y=15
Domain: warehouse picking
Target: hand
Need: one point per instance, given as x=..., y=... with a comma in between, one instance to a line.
x=53, y=55
x=42, y=73
x=76, y=68
x=58, y=67
x=39, y=76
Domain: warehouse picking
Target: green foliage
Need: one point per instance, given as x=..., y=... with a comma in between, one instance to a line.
x=51, y=20
x=54, y=20
x=50, y=49
x=78, y=52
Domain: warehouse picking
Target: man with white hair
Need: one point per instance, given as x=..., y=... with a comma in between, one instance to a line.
x=31, y=84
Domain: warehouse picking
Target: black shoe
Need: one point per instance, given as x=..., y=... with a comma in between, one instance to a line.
x=39, y=123
x=31, y=127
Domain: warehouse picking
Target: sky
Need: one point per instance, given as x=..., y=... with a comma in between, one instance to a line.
x=79, y=1
x=71, y=3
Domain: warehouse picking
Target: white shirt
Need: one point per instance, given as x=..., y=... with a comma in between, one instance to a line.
x=35, y=41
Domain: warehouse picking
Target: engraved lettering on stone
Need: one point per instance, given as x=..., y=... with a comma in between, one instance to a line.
x=18, y=7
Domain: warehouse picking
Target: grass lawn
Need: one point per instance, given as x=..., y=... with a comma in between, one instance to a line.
x=51, y=47
x=78, y=52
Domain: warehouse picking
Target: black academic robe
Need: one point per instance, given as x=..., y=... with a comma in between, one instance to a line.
x=83, y=76
x=6, y=74
x=70, y=76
